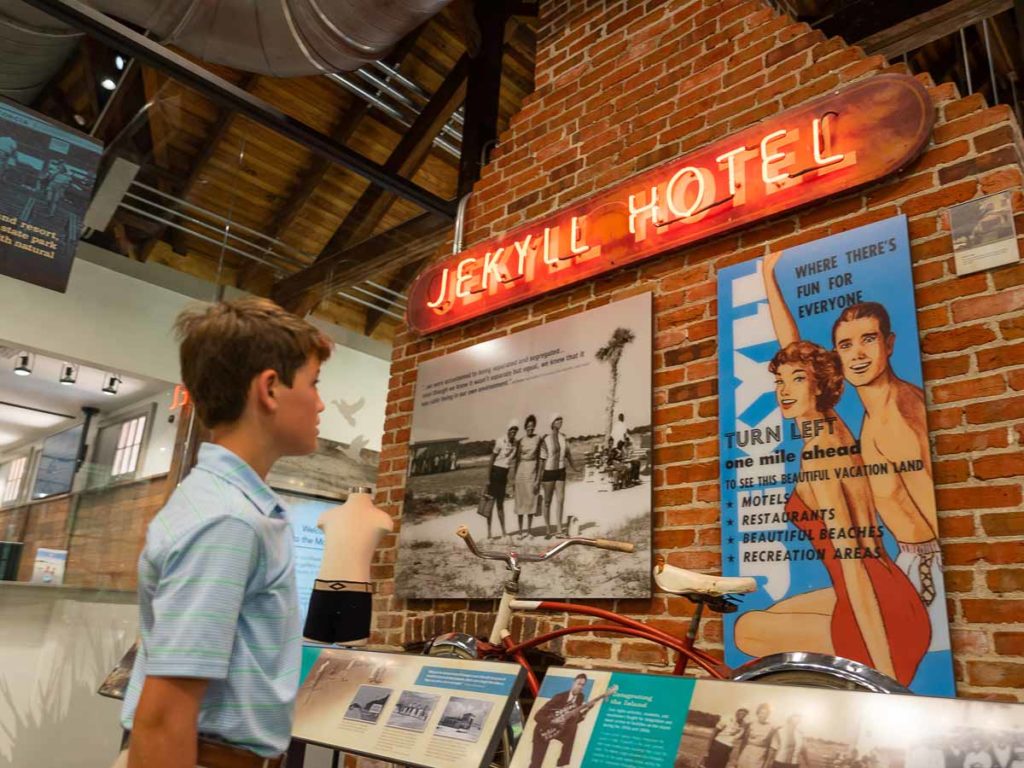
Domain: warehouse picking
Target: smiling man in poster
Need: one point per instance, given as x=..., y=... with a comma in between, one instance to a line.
x=827, y=487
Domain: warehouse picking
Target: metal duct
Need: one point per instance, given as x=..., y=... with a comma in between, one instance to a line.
x=32, y=48
x=283, y=38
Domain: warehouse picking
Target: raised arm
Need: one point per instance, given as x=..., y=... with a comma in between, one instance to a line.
x=782, y=319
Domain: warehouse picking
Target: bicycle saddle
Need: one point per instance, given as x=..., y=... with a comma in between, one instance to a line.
x=678, y=581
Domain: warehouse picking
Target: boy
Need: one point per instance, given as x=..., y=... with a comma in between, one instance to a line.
x=218, y=667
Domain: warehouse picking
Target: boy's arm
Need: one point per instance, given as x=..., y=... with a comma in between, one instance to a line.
x=164, y=733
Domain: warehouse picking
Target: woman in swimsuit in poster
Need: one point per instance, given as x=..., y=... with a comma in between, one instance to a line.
x=871, y=613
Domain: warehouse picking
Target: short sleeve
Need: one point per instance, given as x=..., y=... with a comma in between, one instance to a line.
x=197, y=601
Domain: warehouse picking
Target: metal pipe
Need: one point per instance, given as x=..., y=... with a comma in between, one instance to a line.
x=387, y=88
x=991, y=66
x=375, y=296
x=460, y=223
x=967, y=64
x=224, y=231
x=384, y=288
x=389, y=110
x=121, y=37
x=364, y=94
x=371, y=306
x=213, y=215
x=393, y=72
x=186, y=230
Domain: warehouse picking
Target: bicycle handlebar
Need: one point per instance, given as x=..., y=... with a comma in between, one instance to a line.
x=509, y=557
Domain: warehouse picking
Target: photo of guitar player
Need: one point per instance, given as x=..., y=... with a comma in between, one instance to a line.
x=558, y=720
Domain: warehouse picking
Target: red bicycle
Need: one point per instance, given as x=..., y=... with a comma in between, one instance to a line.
x=715, y=593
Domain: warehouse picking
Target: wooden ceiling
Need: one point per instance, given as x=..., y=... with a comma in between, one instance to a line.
x=227, y=165
x=231, y=167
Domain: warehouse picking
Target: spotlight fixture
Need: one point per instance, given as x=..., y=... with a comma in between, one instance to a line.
x=23, y=364
x=68, y=373
x=108, y=83
x=119, y=62
x=111, y=382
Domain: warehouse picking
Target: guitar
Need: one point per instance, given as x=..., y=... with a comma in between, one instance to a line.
x=561, y=717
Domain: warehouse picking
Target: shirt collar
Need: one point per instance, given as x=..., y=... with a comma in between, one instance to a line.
x=219, y=461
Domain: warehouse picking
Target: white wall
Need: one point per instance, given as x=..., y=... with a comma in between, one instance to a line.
x=121, y=322
x=57, y=644
x=105, y=317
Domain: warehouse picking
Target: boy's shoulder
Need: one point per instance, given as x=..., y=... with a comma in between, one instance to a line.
x=201, y=500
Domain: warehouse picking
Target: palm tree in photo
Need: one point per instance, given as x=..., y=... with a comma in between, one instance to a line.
x=611, y=353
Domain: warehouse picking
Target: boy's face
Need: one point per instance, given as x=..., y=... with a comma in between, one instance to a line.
x=298, y=414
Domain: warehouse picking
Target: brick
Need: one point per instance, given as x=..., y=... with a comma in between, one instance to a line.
x=1003, y=523
x=956, y=339
x=793, y=47
x=968, y=442
x=588, y=649
x=1005, y=580
x=964, y=106
x=1001, y=410
x=994, y=138
x=945, y=367
x=645, y=653
x=1002, y=674
x=1003, y=356
x=979, y=497
x=969, y=389
x=941, y=156
x=942, y=198
x=1009, y=643
x=972, y=123
x=950, y=289
x=1001, y=611
x=978, y=164
x=1001, y=303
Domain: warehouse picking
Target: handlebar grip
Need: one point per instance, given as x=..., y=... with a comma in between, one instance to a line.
x=617, y=546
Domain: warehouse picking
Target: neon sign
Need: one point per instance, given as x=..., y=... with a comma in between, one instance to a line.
x=824, y=147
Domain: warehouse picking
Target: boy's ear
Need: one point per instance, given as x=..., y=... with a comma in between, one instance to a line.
x=264, y=389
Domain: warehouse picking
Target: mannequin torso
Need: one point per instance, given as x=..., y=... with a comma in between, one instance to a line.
x=352, y=532
x=341, y=604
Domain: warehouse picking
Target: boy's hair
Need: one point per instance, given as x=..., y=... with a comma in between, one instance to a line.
x=224, y=346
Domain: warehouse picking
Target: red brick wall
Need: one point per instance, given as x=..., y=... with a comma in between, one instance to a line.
x=622, y=86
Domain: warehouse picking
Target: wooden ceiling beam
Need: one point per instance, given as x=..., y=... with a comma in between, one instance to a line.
x=411, y=241
x=404, y=160
x=483, y=92
x=931, y=25
x=343, y=131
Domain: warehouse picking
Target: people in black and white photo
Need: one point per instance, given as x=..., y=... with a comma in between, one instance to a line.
x=527, y=475
x=555, y=455
x=789, y=748
x=725, y=736
x=757, y=739
x=503, y=457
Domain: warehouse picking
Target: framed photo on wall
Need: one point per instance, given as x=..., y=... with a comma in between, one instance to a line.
x=535, y=435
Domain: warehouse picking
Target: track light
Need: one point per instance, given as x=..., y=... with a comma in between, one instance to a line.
x=111, y=382
x=109, y=84
x=68, y=373
x=119, y=62
x=23, y=364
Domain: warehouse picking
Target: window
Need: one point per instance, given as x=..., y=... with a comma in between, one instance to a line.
x=129, y=444
x=12, y=475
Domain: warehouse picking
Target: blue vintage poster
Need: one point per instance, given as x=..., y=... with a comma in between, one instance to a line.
x=46, y=177
x=827, y=491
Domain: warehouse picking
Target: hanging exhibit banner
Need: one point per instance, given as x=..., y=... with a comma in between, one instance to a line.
x=529, y=436
x=597, y=719
x=46, y=176
x=826, y=146
x=827, y=490
x=406, y=709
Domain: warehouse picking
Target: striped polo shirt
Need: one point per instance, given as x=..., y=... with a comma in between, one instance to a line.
x=217, y=601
